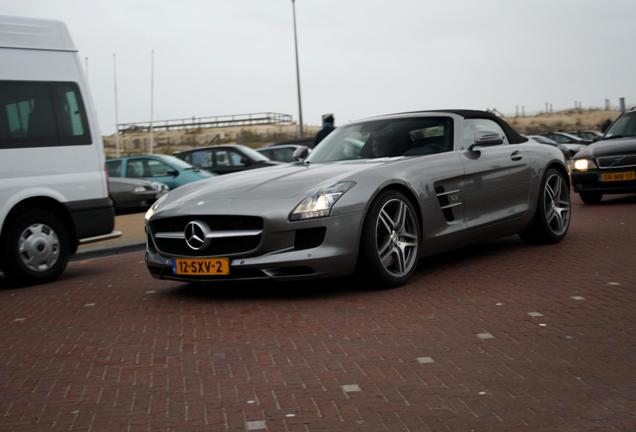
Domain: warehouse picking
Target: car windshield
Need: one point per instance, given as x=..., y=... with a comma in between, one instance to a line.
x=385, y=138
x=624, y=126
x=254, y=155
x=176, y=162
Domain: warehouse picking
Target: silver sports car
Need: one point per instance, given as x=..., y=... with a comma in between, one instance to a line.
x=375, y=196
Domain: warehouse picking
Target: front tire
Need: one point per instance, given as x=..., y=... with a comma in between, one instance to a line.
x=36, y=247
x=390, y=244
x=591, y=197
x=552, y=217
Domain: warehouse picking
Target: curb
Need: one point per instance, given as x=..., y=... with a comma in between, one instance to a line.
x=109, y=250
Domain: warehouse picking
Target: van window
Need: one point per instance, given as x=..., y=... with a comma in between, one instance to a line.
x=26, y=115
x=41, y=114
x=73, y=126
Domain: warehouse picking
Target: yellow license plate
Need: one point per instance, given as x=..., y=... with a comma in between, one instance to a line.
x=619, y=176
x=201, y=266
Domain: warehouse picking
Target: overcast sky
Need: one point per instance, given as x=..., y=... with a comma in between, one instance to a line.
x=357, y=57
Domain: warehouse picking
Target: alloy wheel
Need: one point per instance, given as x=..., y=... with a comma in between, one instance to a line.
x=396, y=237
x=556, y=200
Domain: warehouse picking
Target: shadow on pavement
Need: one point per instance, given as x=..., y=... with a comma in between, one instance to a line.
x=271, y=290
x=71, y=274
x=617, y=199
x=458, y=257
x=335, y=287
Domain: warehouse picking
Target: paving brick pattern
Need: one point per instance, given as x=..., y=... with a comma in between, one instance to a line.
x=107, y=348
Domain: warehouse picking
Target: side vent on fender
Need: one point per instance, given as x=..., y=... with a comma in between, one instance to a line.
x=447, y=201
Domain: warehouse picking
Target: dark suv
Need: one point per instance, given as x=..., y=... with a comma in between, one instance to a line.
x=608, y=166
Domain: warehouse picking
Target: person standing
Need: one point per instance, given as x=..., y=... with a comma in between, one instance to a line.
x=327, y=127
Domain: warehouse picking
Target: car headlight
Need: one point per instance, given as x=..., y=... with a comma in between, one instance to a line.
x=138, y=189
x=153, y=208
x=319, y=203
x=584, y=164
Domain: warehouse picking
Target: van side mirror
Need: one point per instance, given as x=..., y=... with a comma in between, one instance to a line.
x=301, y=153
x=486, y=139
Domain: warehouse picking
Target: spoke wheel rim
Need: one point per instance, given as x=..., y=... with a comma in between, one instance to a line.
x=397, y=238
x=556, y=202
x=39, y=247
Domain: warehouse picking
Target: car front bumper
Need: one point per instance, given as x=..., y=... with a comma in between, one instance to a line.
x=590, y=181
x=278, y=256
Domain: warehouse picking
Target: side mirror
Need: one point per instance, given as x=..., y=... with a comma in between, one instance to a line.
x=486, y=139
x=172, y=173
x=301, y=153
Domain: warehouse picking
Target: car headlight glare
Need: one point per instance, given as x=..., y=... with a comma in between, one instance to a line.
x=319, y=203
x=153, y=208
x=584, y=164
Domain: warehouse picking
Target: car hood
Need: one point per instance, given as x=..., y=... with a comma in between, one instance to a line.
x=279, y=185
x=609, y=147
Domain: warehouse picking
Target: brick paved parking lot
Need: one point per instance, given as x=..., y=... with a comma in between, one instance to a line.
x=497, y=337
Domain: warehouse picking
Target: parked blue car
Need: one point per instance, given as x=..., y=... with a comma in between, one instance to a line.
x=169, y=170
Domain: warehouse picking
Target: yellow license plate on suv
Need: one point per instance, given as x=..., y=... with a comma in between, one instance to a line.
x=618, y=176
x=201, y=266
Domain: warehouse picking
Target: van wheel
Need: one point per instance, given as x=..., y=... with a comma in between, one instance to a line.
x=37, y=247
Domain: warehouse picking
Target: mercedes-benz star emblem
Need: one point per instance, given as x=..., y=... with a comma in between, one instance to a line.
x=196, y=235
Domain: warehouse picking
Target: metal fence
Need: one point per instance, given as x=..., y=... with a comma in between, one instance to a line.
x=265, y=118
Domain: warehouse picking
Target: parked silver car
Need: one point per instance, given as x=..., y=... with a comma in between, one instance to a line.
x=376, y=196
x=134, y=194
x=569, y=150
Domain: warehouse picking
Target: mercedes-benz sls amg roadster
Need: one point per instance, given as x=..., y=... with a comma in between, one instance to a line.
x=374, y=197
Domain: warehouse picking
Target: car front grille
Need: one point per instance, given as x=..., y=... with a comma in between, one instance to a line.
x=221, y=223
x=618, y=161
x=236, y=235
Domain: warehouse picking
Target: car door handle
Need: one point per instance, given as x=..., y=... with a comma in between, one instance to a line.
x=516, y=155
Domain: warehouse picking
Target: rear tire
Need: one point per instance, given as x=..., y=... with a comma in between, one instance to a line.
x=591, y=197
x=391, y=239
x=36, y=247
x=552, y=218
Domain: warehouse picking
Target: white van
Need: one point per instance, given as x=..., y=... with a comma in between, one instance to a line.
x=53, y=187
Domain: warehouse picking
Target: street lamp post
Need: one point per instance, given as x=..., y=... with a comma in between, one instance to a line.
x=117, y=142
x=300, y=103
x=152, y=100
